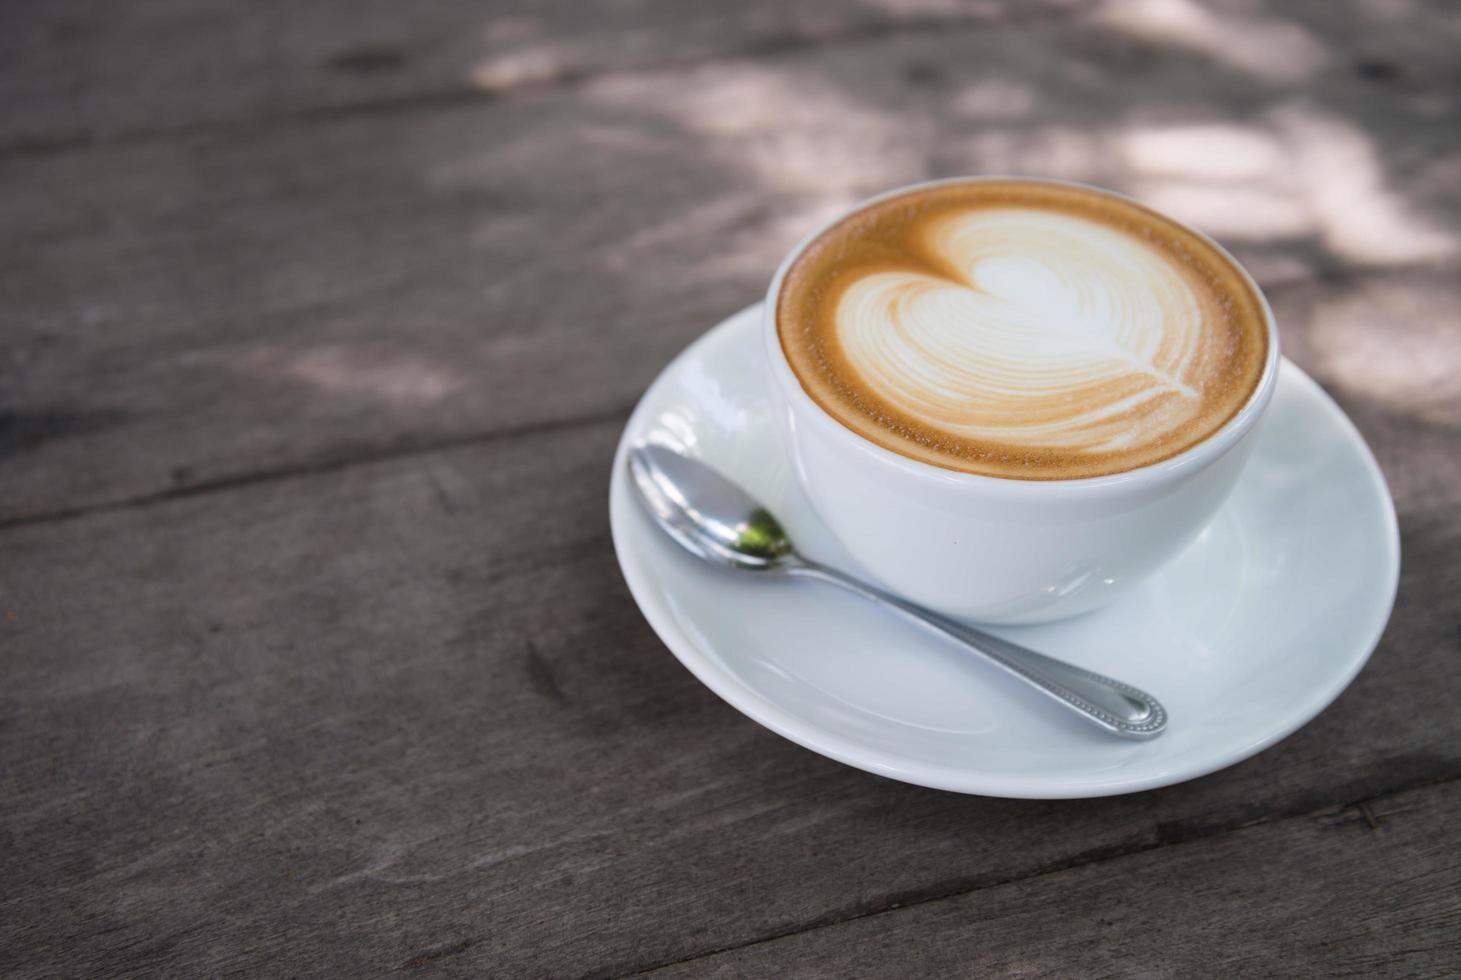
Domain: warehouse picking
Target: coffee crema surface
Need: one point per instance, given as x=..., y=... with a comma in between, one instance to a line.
x=1022, y=329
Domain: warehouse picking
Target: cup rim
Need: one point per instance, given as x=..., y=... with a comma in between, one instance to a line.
x=1190, y=460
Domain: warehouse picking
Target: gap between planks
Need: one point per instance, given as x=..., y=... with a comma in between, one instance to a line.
x=309, y=468
x=407, y=448
x=568, y=77
x=904, y=901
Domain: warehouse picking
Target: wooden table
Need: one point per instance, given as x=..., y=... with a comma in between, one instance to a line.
x=320, y=323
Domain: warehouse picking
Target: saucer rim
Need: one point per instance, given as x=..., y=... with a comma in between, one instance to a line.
x=962, y=779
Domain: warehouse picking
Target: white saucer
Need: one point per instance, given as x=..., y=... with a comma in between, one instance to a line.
x=1246, y=636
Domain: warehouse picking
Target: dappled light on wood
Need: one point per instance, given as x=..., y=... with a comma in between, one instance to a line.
x=1360, y=216
x=321, y=324
x=1298, y=178
x=1269, y=48
x=1384, y=340
x=1298, y=174
x=1214, y=151
x=391, y=376
x=999, y=99
x=531, y=66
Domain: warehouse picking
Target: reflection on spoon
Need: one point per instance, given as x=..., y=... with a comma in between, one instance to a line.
x=716, y=520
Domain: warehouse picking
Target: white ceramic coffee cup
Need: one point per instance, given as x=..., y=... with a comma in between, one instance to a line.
x=1001, y=550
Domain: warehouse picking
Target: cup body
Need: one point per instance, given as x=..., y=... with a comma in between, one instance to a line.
x=1001, y=550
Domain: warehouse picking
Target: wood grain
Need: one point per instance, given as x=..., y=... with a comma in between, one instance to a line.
x=320, y=326
x=1368, y=890
x=197, y=311
x=338, y=723
x=73, y=73
x=76, y=73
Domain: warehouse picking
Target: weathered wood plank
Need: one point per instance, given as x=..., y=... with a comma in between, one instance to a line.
x=402, y=714
x=75, y=71
x=201, y=310
x=405, y=712
x=1368, y=891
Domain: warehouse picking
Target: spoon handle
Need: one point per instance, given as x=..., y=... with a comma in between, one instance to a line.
x=1119, y=708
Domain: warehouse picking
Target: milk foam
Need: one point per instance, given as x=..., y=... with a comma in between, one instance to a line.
x=1057, y=332
x=1022, y=329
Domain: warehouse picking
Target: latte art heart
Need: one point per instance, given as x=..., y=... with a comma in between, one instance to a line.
x=1018, y=329
x=1062, y=333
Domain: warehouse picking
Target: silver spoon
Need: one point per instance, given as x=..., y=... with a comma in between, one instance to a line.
x=715, y=519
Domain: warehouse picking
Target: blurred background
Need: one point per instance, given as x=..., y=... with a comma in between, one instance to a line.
x=258, y=237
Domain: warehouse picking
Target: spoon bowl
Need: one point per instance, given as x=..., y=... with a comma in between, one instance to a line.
x=718, y=521
x=706, y=513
